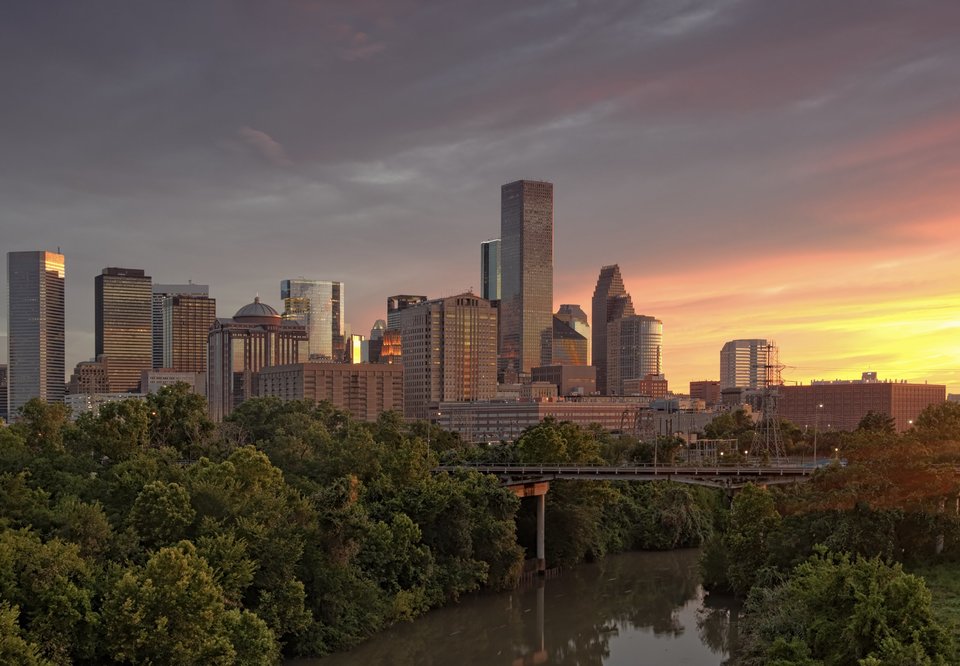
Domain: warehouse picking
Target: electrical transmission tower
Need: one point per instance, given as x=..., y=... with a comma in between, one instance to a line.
x=767, y=438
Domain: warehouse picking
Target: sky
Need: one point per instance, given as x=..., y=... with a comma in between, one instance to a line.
x=757, y=168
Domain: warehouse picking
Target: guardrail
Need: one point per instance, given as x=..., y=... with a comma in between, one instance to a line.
x=544, y=469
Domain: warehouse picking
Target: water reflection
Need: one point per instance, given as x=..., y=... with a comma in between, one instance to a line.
x=638, y=608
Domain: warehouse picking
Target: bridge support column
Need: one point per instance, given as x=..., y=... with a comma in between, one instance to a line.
x=537, y=490
x=541, y=533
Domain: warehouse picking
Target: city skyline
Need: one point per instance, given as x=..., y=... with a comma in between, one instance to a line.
x=833, y=236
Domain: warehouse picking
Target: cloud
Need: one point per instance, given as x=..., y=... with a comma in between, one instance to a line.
x=266, y=147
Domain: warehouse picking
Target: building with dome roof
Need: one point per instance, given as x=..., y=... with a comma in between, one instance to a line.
x=256, y=337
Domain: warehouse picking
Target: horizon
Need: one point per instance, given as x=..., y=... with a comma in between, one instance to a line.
x=757, y=170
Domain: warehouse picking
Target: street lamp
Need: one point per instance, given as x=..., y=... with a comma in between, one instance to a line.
x=816, y=427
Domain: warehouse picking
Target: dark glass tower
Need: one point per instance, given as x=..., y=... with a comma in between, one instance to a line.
x=526, y=287
x=490, y=269
x=36, y=328
x=124, y=325
x=610, y=301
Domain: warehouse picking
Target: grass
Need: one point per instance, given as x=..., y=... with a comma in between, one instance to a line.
x=944, y=582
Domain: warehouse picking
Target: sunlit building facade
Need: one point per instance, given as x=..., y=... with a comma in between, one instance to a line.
x=238, y=348
x=186, y=326
x=35, y=333
x=449, y=352
x=569, y=347
x=160, y=293
x=397, y=304
x=124, y=325
x=319, y=306
x=747, y=364
x=634, y=350
x=573, y=316
x=526, y=284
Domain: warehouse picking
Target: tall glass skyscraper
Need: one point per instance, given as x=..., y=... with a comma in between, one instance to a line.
x=610, y=301
x=35, y=327
x=526, y=286
x=318, y=305
x=124, y=325
x=634, y=350
x=490, y=269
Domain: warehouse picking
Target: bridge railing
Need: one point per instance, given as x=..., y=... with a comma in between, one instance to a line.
x=787, y=469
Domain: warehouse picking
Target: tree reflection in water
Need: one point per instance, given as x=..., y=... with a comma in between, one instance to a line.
x=617, y=612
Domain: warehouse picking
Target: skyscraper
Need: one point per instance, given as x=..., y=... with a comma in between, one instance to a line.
x=490, y=269
x=396, y=305
x=124, y=325
x=186, y=325
x=569, y=347
x=318, y=305
x=747, y=364
x=35, y=328
x=160, y=292
x=255, y=338
x=449, y=352
x=610, y=301
x=634, y=350
x=526, y=284
x=573, y=316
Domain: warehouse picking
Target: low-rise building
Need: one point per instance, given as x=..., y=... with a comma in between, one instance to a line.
x=90, y=403
x=844, y=403
x=363, y=389
x=707, y=390
x=151, y=381
x=569, y=379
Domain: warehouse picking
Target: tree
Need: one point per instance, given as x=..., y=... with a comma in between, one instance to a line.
x=178, y=418
x=939, y=422
x=42, y=425
x=836, y=609
x=172, y=612
x=14, y=649
x=753, y=518
x=117, y=431
x=877, y=422
x=162, y=513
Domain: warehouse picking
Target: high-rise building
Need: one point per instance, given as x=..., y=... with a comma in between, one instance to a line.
x=3, y=393
x=573, y=316
x=634, y=350
x=255, y=338
x=90, y=377
x=319, y=305
x=35, y=328
x=610, y=301
x=569, y=347
x=124, y=325
x=186, y=327
x=161, y=292
x=490, y=269
x=396, y=305
x=449, y=352
x=747, y=364
x=526, y=282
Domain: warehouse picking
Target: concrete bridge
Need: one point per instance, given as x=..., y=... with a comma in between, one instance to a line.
x=533, y=480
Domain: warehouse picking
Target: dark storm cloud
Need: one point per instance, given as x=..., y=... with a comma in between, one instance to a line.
x=238, y=143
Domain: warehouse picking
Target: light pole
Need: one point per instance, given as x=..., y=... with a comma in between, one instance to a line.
x=816, y=427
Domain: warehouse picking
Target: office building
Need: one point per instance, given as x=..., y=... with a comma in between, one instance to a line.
x=391, y=348
x=526, y=276
x=610, y=301
x=449, y=352
x=35, y=333
x=151, y=381
x=846, y=402
x=363, y=389
x=186, y=327
x=490, y=269
x=90, y=377
x=160, y=293
x=569, y=347
x=256, y=337
x=634, y=350
x=569, y=379
x=573, y=316
x=3, y=393
x=318, y=305
x=747, y=364
x=396, y=305
x=650, y=386
x=707, y=390
x=124, y=325
x=90, y=403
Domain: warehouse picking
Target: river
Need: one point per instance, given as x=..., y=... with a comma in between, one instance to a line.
x=635, y=608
